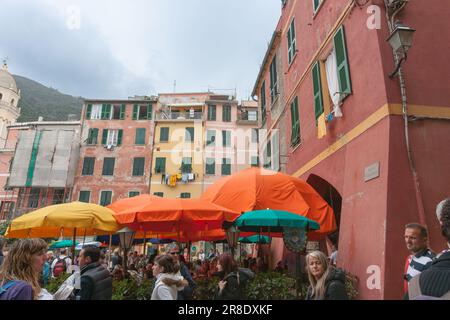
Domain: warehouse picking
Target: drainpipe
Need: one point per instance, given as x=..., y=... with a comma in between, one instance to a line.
x=401, y=77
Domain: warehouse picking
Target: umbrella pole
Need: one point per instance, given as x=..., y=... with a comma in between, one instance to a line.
x=270, y=252
x=109, y=255
x=73, y=244
x=145, y=243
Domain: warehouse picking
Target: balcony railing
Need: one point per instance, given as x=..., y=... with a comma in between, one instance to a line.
x=196, y=115
x=247, y=116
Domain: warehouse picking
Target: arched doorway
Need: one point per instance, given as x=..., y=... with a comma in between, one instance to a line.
x=332, y=197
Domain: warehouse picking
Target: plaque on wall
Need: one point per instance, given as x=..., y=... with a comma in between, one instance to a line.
x=295, y=239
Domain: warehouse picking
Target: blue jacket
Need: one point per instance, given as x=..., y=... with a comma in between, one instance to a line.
x=187, y=292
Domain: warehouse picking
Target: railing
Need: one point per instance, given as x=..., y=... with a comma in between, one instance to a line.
x=248, y=116
x=197, y=115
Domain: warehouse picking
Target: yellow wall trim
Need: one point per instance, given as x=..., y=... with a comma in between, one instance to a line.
x=373, y=119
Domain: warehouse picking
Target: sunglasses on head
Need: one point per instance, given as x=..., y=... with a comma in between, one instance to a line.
x=177, y=252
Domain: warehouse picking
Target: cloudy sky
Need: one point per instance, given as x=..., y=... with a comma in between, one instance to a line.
x=116, y=49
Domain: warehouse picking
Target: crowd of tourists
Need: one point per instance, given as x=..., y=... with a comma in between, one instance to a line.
x=28, y=266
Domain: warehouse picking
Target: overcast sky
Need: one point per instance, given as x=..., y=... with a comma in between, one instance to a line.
x=116, y=49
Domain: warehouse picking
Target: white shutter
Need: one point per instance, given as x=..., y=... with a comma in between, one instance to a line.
x=276, y=151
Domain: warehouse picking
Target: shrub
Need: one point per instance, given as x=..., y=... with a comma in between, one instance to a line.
x=130, y=289
x=271, y=286
x=206, y=288
x=54, y=283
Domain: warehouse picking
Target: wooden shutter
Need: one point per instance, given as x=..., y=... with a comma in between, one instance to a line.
x=119, y=137
x=108, y=112
x=135, y=111
x=88, y=111
x=140, y=136
x=189, y=134
x=104, y=136
x=318, y=102
x=343, y=70
x=122, y=112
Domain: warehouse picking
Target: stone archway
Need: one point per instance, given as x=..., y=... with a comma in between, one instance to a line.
x=334, y=199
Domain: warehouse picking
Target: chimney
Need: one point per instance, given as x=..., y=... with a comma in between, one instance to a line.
x=72, y=117
x=40, y=119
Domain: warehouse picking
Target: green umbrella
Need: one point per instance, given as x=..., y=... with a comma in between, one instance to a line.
x=255, y=239
x=273, y=221
x=62, y=244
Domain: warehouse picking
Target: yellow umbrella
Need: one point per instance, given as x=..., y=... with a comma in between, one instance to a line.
x=67, y=220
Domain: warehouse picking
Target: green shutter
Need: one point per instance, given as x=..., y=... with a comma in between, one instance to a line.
x=108, y=112
x=84, y=196
x=108, y=166
x=318, y=103
x=210, y=166
x=226, y=167
x=138, y=166
x=89, y=138
x=316, y=4
x=122, y=112
x=159, y=194
x=189, y=134
x=149, y=111
x=105, y=198
x=295, y=122
x=88, y=111
x=343, y=69
x=104, y=136
x=119, y=137
x=135, y=111
x=160, y=165
x=210, y=137
x=103, y=114
x=185, y=195
x=95, y=136
x=164, y=134
x=140, y=136
x=186, y=165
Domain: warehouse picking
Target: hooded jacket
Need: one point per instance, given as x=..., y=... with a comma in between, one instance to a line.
x=334, y=286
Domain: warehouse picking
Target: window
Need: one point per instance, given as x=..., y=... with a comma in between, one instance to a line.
x=58, y=196
x=105, y=198
x=263, y=101
x=252, y=115
x=160, y=165
x=138, y=166
x=226, y=113
x=106, y=112
x=92, y=136
x=112, y=137
x=226, y=166
x=255, y=137
x=118, y=112
x=273, y=79
x=295, y=123
x=210, y=166
x=94, y=111
x=108, y=166
x=185, y=195
x=142, y=112
x=292, y=49
x=211, y=113
x=316, y=4
x=283, y=3
x=189, y=134
x=211, y=137
x=140, y=136
x=1, y=96
x=186, y=165
x=88, y=166
x=132, y=194
x=343, y=69
x=226, y=138
x=255, y=161
x=317, y=85
x=163, y=134
x=158, y=194
x=33, y=198
x=85, y=196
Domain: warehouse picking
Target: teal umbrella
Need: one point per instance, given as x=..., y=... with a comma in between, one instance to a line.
x=255, y=239
x=62, y=244
x=273, y=221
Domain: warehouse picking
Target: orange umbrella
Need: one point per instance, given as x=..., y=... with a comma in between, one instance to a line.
x=184, y=236
x=163, y=215
x=258, y=188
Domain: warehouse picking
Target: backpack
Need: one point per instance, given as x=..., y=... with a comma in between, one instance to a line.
x=6, y=286
x=415, y=293
x=60, y=267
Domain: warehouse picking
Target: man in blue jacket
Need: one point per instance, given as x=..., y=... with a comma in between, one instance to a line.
x=187, y=292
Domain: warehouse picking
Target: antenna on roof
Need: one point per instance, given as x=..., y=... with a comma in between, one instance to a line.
x=174, y=86
x=5, y=63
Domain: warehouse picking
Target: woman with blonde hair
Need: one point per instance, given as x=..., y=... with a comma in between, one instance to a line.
x=21, y=269
x=326, y=282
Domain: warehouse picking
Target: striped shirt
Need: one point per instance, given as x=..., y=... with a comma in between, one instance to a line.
x=418, y=263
